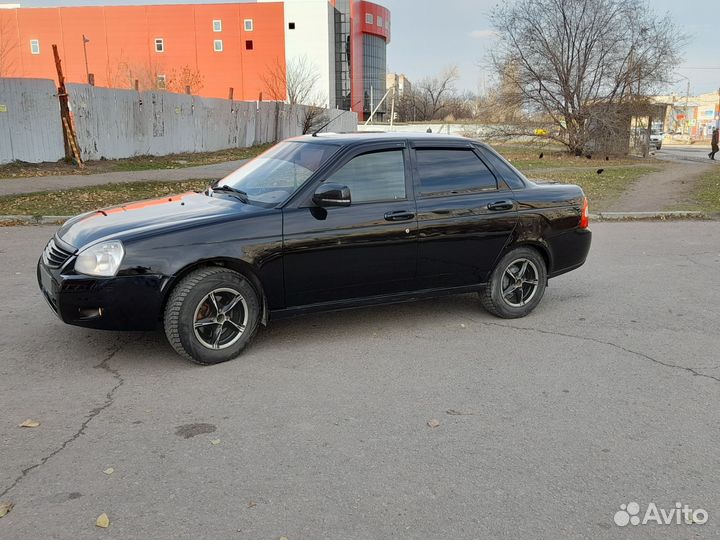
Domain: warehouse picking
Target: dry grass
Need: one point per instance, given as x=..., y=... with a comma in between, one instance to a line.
x=138, y=163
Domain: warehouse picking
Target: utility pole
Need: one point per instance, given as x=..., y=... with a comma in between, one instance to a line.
x=87, y=69
x=687, y=99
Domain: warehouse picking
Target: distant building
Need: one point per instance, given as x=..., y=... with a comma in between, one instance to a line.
x=400, y=82
x=210, y=48
x=695, y=116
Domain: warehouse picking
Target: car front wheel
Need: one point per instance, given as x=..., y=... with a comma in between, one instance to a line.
x=211, y=315
x=516, y=285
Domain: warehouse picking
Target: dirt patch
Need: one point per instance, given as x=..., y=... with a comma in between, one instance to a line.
x=672, y=187
x=187, y=431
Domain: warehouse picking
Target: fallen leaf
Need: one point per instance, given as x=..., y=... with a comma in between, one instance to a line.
x=283, y=538
x=433, y=423
x=251, y=504
x=30, y=423
x=109, y=471
x=215, y=442
x=462, y=326
x=5, y=507
x=102, y=521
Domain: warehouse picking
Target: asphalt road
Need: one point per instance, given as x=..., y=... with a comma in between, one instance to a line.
x=696, y=152
x=606, y=395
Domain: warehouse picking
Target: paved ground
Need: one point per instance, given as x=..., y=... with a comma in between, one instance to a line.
x=56, y=183
x=607, y=394
x=695, y=152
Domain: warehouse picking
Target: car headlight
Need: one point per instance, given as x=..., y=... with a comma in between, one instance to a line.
x=102, y=259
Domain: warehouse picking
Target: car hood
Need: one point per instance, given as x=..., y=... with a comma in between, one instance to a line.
x=167, y=213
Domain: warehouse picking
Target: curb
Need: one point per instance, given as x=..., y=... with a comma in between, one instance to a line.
x=652, y=216
x=34, y=220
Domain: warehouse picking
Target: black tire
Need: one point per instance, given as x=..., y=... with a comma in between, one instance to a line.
x=192, y=296
x=511, y=306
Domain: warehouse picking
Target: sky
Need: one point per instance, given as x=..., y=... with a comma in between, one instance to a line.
x=430, y=35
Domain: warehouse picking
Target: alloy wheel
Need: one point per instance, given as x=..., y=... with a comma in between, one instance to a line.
x=519, y=282
x=220, y=319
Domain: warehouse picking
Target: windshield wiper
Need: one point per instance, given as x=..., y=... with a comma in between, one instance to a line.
x=239, y=193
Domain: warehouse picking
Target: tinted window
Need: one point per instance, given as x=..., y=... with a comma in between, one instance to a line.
x=378, y=176
x=508, y=173
x=448, y=172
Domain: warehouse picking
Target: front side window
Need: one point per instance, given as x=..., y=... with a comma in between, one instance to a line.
x=377, y=176
x=452, y=171
x=276, y=174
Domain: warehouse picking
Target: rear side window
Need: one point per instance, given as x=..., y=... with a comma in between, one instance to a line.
x=376, y=176
x=510, y=175
x=451, y=172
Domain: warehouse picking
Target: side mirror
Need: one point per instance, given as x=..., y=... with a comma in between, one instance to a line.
x=330, y=194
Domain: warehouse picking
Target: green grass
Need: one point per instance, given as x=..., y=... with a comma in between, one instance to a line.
x=601, y=189
x=75, y=201
x=708, y=191
x=528, y=158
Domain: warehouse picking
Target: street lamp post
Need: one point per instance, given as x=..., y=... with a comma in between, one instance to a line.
x=87, y=69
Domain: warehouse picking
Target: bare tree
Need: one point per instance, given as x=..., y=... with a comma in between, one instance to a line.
x=580, y=64
x=123, y=73
x=311, y=118
x=295, y=84
x=180, y=79
x=8, y=46
x=432, y=93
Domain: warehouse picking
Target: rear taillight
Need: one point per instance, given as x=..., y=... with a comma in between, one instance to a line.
x=584, y=217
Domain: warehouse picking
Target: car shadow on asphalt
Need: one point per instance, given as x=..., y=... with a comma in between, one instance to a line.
x=428, y=315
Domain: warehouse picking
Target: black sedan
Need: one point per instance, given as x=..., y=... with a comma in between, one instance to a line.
x=317, y=223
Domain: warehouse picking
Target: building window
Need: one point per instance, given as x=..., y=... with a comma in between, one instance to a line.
x=217, y=25
x=249, y=45
x=35, y=46
x=379, y=21
x=161, y=81
x=291, y=26
x=218, y=45
x=369, y=18
x=387, y=24
x=159, y=45
x=248, y=25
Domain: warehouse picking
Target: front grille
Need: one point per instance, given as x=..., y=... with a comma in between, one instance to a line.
x=54, y=256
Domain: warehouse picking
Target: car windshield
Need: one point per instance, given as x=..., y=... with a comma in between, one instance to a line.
x=276, y=174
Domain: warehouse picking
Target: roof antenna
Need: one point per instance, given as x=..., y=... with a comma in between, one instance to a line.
x=318, y=130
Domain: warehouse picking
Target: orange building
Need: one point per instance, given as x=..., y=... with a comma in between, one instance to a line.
x=207, y=48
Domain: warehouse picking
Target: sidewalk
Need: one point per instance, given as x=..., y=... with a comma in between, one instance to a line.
x=57, y=183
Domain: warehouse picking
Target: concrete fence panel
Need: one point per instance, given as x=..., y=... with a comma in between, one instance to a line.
x=113, y=123
x=30, y=125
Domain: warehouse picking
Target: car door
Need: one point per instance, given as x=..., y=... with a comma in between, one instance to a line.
x=365, y=249
x=465, y=216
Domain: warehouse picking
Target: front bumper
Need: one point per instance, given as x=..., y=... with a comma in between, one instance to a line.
x=115, y=303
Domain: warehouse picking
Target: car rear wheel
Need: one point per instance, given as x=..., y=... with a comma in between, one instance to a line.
x=516, y=285
x=211, y=315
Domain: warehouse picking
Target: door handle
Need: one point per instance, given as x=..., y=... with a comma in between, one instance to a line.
x=500, y=205
x=400, y=215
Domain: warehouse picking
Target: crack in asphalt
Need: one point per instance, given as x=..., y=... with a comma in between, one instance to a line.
x=109, y=400
x=694, y=371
